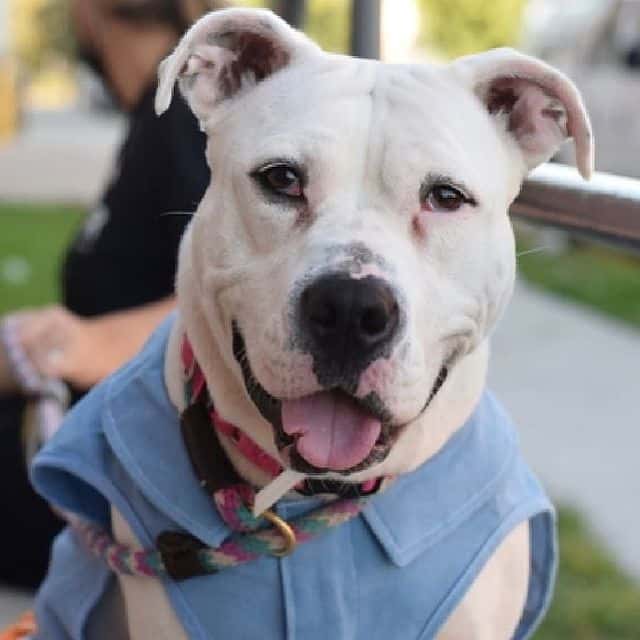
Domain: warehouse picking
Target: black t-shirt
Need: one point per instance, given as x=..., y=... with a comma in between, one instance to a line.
x=125, y=254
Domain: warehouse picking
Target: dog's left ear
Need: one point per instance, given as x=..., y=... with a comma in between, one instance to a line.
x=540, y=106
x=226, y=52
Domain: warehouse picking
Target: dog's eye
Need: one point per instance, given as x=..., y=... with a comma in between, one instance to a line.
x=444, y=197
x=282, y=179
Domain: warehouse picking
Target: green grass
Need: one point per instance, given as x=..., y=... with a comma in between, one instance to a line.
x=593, y=600
x=601, y=278
x=32, y=241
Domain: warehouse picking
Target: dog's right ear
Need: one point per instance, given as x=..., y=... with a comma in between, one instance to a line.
x=224, y=53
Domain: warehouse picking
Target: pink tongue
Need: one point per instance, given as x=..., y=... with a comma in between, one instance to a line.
x=334, y=432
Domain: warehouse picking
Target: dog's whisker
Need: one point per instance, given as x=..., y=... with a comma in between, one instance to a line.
x=530, y=251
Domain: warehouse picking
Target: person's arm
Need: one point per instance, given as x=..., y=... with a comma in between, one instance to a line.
x=8, y=383
x=81, y=350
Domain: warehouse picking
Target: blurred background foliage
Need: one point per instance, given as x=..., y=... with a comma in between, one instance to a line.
x=457, y=27
x=40, y=56
x=328, y=24
x=41, y=30
x=43, y=45
x=448, y=28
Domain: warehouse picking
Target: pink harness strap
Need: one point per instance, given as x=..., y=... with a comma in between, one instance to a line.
x=195, y=386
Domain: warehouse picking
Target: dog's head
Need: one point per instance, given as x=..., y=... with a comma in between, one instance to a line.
x=354, y=245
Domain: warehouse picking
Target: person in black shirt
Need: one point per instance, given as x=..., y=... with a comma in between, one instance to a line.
x=118, y=275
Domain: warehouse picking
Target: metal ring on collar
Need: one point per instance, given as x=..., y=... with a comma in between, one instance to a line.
x=285, y=530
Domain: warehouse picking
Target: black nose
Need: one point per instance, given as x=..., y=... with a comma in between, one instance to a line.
x=349, y=321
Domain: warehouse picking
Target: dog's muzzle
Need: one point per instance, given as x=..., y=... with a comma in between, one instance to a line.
x=346, y=323
x=328, y=431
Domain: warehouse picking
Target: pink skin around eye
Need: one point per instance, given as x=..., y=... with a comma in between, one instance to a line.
x=419, y=221
x=420, y=224
x=295, y=190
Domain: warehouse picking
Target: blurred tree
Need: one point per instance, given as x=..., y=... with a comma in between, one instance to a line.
x=328, y=24
x=255, y=3
x=458, y=27
x=55, y=20
x=451, y=27
x=41, y=32
x=9, y=99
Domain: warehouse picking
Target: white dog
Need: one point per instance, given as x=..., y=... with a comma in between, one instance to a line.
x=338, y=285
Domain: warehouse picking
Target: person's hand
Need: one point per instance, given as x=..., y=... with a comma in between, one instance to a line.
x=63, y=345
x=83, y=351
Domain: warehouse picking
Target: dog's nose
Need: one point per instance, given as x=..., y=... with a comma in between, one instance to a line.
x=349, y=320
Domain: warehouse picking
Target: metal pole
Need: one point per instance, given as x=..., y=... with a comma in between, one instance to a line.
x=294, y=12
x=607, y=206
x=365, y=28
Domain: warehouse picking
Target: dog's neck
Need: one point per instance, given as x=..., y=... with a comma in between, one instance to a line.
x=448, y=411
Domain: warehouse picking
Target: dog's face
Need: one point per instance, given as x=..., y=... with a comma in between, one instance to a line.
x=354, y=244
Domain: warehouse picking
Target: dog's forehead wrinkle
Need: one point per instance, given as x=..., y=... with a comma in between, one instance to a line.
x=375, y=143
x=396, y=97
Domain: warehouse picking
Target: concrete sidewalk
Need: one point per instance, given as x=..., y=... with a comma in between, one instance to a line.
x=59, y=157
x=571, y=380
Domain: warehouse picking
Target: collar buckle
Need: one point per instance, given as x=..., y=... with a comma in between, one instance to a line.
x=285, y=530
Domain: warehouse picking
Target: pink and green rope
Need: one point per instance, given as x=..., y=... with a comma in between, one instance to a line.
x=238, y=549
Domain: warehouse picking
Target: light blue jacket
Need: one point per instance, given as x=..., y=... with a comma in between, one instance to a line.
x=395, y=572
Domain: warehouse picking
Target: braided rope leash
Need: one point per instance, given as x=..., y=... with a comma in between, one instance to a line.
x=180, y=556
x=47, y=397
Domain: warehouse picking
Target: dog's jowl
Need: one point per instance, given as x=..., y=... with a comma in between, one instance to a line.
x=337, y=288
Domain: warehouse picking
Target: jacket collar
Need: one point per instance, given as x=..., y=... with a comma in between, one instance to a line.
x=422, y=507
x=418, y=509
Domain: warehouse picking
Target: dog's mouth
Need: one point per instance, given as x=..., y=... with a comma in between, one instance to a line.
x=328, y=431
